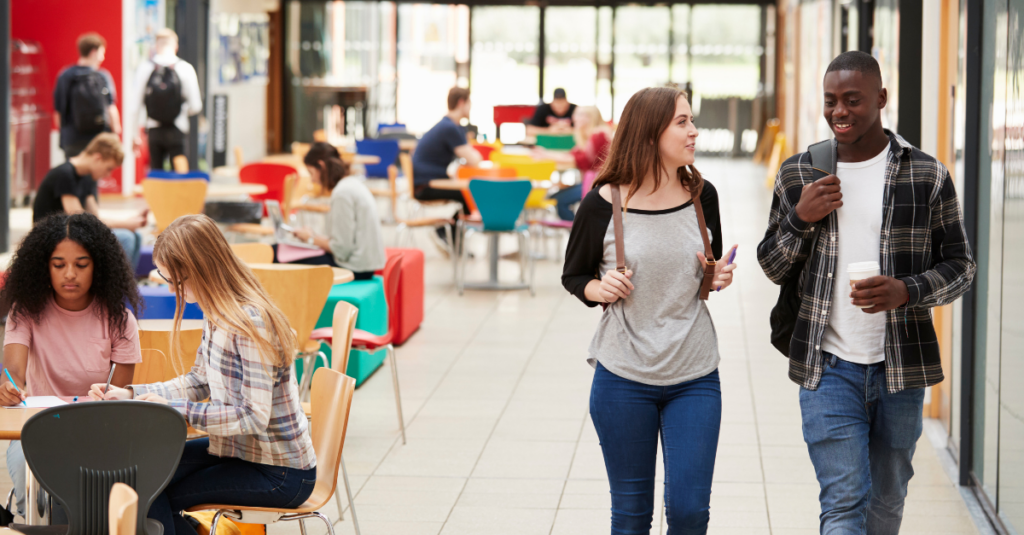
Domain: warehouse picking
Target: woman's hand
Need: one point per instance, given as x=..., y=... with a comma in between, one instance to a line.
x=152, y=398
x=303, y=233
x=113, y=393
x=615, y=286
x=10, y=396
x=723, y=272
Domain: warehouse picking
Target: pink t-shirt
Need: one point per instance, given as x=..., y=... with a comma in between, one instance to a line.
x=70, y=351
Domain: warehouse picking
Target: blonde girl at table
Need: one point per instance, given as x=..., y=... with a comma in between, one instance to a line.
x=354, y=239
x=66, y=291
x=593, y=138
x=259, y=452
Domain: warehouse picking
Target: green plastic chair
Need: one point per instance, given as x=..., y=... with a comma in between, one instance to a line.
x=556, y=142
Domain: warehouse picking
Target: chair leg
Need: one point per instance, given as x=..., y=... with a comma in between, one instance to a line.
x=302, y=528
x=453, y=250
x=351, y=502
x=216, y=520
x=330, y=527
x=398, y=393
x=460, y=274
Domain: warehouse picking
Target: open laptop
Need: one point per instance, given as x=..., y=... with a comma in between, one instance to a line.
x=283, y=232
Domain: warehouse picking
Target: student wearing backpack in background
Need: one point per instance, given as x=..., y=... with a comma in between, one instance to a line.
x=167, y=93
x=84, y=98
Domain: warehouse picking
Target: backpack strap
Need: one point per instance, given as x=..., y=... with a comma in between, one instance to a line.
x=823, y=159
x=620, y=251
x=709, y=256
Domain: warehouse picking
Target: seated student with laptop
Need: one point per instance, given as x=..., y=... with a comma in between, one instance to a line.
x=66, y=291
x=259, y=452
x=354, y=241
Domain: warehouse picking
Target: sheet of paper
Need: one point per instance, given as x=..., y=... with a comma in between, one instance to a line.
x=40, y=402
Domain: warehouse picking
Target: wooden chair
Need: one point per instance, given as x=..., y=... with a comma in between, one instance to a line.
x=300, y=291
x=155, y=342
x=389, y=192
x=171, y=199
x=123, y=509
x=253, y=253
x=180, y=163
x=332, y=399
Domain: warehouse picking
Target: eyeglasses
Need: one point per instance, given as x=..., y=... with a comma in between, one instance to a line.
x=164, y=277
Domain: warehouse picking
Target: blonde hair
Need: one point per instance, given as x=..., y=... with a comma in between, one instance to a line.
x=193, y=250
x=108, y=146
x=165, y=37
x=595, y=123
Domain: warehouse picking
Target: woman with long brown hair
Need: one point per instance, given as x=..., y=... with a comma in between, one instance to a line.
x=655, y=352
x=259, y=452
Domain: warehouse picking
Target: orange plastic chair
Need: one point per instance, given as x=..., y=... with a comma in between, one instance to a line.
x=273, y=176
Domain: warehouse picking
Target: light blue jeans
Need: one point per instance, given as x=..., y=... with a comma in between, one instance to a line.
x=131, y=242
x=861, y=440
x=16, y=469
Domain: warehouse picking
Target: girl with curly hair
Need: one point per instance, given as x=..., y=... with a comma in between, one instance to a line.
x=259, y=451
x=66, y=291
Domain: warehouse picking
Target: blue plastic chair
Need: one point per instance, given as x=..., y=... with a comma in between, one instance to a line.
x=171, y=175
x=386, y=149
x=393, y=128
x=500, y=203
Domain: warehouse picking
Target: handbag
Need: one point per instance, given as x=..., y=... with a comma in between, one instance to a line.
x=787, y=308
x=620, y=251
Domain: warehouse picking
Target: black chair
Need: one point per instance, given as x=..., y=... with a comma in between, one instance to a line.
x=77, y=452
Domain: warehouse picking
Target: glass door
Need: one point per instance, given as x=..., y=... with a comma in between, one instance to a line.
x=570, y=35
x=506, y=67
x=429, y=39
x=641, y=51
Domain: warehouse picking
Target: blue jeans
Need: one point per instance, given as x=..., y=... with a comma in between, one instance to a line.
x=628, y=417
x=204, y=478
x=16, y=469
x=565, y=199
x=131, y=242
x=861, y=440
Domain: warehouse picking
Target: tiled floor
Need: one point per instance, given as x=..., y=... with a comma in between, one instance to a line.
x=495, y=390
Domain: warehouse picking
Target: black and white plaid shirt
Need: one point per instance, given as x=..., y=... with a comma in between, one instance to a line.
x=922, y=244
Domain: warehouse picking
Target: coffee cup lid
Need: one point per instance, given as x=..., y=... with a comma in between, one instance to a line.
x=862, y=266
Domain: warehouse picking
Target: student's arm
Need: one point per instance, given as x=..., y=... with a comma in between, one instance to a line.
x=583, y=256
x=115, y=119
x=72, y=205
x=255, y=396
x=190, y=88
x=93, y=207
x=953, y=265
x=123, y=375
x=788, y=240
x=468, y=153
x=342, y=240
x=16, y=362
x=56, y=120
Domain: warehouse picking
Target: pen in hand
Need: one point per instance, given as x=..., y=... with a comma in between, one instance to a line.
x=109, y=377
x=15, y=385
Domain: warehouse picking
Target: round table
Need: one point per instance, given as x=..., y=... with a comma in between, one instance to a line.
x=225, y=190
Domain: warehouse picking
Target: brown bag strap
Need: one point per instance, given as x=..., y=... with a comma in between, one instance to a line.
x=709, y=268
x=620, y=251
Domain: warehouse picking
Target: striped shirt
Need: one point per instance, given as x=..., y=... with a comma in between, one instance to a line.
x=252, y=415
x=923, y=244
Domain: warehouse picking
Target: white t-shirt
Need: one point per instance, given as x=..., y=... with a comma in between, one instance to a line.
x=851, y=334
x=193, y=103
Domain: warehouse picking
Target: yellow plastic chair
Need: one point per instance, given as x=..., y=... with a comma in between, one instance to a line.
x=503, y=159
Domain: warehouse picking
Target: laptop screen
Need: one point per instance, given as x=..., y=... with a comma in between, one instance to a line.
x=274, y=211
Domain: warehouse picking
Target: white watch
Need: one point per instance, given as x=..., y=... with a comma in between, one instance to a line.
x=309, y=240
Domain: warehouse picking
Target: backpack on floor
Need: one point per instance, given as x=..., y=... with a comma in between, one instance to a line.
x=89, y=100
x=163, y=95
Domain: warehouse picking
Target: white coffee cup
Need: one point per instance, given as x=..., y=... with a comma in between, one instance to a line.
x=859, y=271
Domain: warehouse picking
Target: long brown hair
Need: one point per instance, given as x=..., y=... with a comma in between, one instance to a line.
x=635, y=149
x=327, y=158
x=193, y=250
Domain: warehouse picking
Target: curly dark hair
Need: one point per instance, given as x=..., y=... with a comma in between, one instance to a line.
x=28, y=288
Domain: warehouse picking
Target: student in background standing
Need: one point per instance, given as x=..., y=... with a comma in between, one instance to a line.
x=166, y=93
x=84, y=98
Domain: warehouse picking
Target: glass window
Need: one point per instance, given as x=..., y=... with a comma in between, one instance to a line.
x=641, y=51
x=726, y=51
x=681, y=26
x=431, y=37
x=604, y=61
x=505, y=67
x=570, y=35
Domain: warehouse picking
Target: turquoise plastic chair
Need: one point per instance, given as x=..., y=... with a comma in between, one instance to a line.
x=500, y=203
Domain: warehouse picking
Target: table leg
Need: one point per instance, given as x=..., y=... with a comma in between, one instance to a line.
x=493, y=253
x=32, y=516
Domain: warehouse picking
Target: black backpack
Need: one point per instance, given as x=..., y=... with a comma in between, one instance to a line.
x=89, y=98
x=163, y=95
x=787, y=308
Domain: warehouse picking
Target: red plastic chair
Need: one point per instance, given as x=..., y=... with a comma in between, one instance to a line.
x=484, y=150
x=272, y=175
x=372, y=343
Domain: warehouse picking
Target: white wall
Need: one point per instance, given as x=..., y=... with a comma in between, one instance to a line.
x=931, y=44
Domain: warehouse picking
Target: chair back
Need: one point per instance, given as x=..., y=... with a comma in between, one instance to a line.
x=484, y=150
x=171, y=199
x=512, y=114
x=482, y=172
x=78, y=451
x=391, y=274
x=536, y=170
x=386, y=149
x=556, y=142
x=393, y=128
x=300, y=291
x=344, y=324
x=253, y=253
x=171, y=175
x=330, y=399
x=500, y=202
x=155, y=343
x=272, y=175
x=124, y=510
x=505, y=159
x=588, y=181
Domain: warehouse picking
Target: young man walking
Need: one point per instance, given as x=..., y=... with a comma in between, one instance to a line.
x=863, y=354
x=84, y=98
x=166, y=92
x=71, y=188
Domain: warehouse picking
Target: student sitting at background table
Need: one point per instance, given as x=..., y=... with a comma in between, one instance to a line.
x=259, y=452
x=66, y=291
x=555, y=118
x=593, y=137
x=355, y=242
